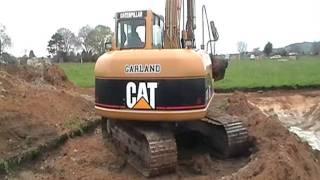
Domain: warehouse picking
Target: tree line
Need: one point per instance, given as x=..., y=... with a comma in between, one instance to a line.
x=305, y=48
x=66, y=46
x=242, y=48
x=86, y=46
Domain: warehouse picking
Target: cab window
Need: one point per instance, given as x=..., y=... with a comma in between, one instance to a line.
x=158, y=32
x=131, y=34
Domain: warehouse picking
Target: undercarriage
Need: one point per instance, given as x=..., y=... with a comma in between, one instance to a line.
x=151, y=148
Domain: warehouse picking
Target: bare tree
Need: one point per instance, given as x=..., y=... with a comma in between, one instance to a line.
x=83, y=37
x=69, y=39
x=97, y=37
x=5, y=40
x=242, y=47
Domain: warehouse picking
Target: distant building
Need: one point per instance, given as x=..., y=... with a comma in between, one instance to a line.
x=252, y=57
x=293, y=54
x=234, y=56
x=276, y=57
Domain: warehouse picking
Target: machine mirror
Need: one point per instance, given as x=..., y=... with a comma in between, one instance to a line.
x=108, y=45
x=215, y=33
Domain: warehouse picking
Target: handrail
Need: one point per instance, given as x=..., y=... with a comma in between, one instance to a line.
x=205, y=15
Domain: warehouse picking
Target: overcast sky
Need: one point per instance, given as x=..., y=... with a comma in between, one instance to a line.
x=30, y=23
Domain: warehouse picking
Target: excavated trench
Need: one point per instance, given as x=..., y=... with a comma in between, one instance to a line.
x=299, y=113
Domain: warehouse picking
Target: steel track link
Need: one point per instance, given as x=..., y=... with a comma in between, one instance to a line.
x=151, y=150
x=236, y=135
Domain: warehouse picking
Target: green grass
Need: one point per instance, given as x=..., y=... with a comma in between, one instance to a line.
x=80, y=74
x=271, y=73
x=240, y=74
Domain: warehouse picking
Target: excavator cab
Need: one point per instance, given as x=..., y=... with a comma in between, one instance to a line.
x=145, y=30
x=138, y=30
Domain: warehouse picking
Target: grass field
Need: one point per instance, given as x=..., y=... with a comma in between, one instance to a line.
x=272, y=73
x=80, y=74
x=240, y=74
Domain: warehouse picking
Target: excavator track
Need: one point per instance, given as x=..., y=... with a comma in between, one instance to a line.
x=235, y=138
x=227, y=135
x=150, y=149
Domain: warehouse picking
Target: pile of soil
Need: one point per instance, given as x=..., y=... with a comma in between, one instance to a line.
x=42, y=75
x=36, y=105
x=279, y=154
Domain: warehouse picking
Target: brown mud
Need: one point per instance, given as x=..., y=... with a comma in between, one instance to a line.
x=37, y=105
x=276, y=153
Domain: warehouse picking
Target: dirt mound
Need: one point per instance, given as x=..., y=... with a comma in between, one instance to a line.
x=43, y=75
x=36, y=105
x=56, y=76
x=279, y=154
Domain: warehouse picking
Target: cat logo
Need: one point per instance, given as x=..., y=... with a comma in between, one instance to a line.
x=141, y=96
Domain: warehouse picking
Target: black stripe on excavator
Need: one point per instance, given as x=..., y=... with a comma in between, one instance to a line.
x=181, y=94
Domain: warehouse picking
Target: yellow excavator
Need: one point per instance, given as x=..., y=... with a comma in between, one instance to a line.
x=153, y=85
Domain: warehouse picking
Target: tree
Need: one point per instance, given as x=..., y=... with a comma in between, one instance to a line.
x=242, y=48
x=56, y=47
x=283, y=52
x=56, y=44
x=69, y=39
x=31, y=54
x=83, y=37
x=268, y=49
x=8, y=58
x=5, y=40
x=97, y=37
x=71, y=57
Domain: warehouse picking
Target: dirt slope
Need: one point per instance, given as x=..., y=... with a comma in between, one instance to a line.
x=300, y=113
x=36, y=105
x=280, y=154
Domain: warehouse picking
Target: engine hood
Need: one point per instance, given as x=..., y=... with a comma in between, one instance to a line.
x=164, y=63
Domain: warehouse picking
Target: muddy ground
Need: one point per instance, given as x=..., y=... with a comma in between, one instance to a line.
x=36, y=106
x=32, y=112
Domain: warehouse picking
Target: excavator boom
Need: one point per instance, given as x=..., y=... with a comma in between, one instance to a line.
x=173, y=34
x=191, y=24
x=172, y=24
